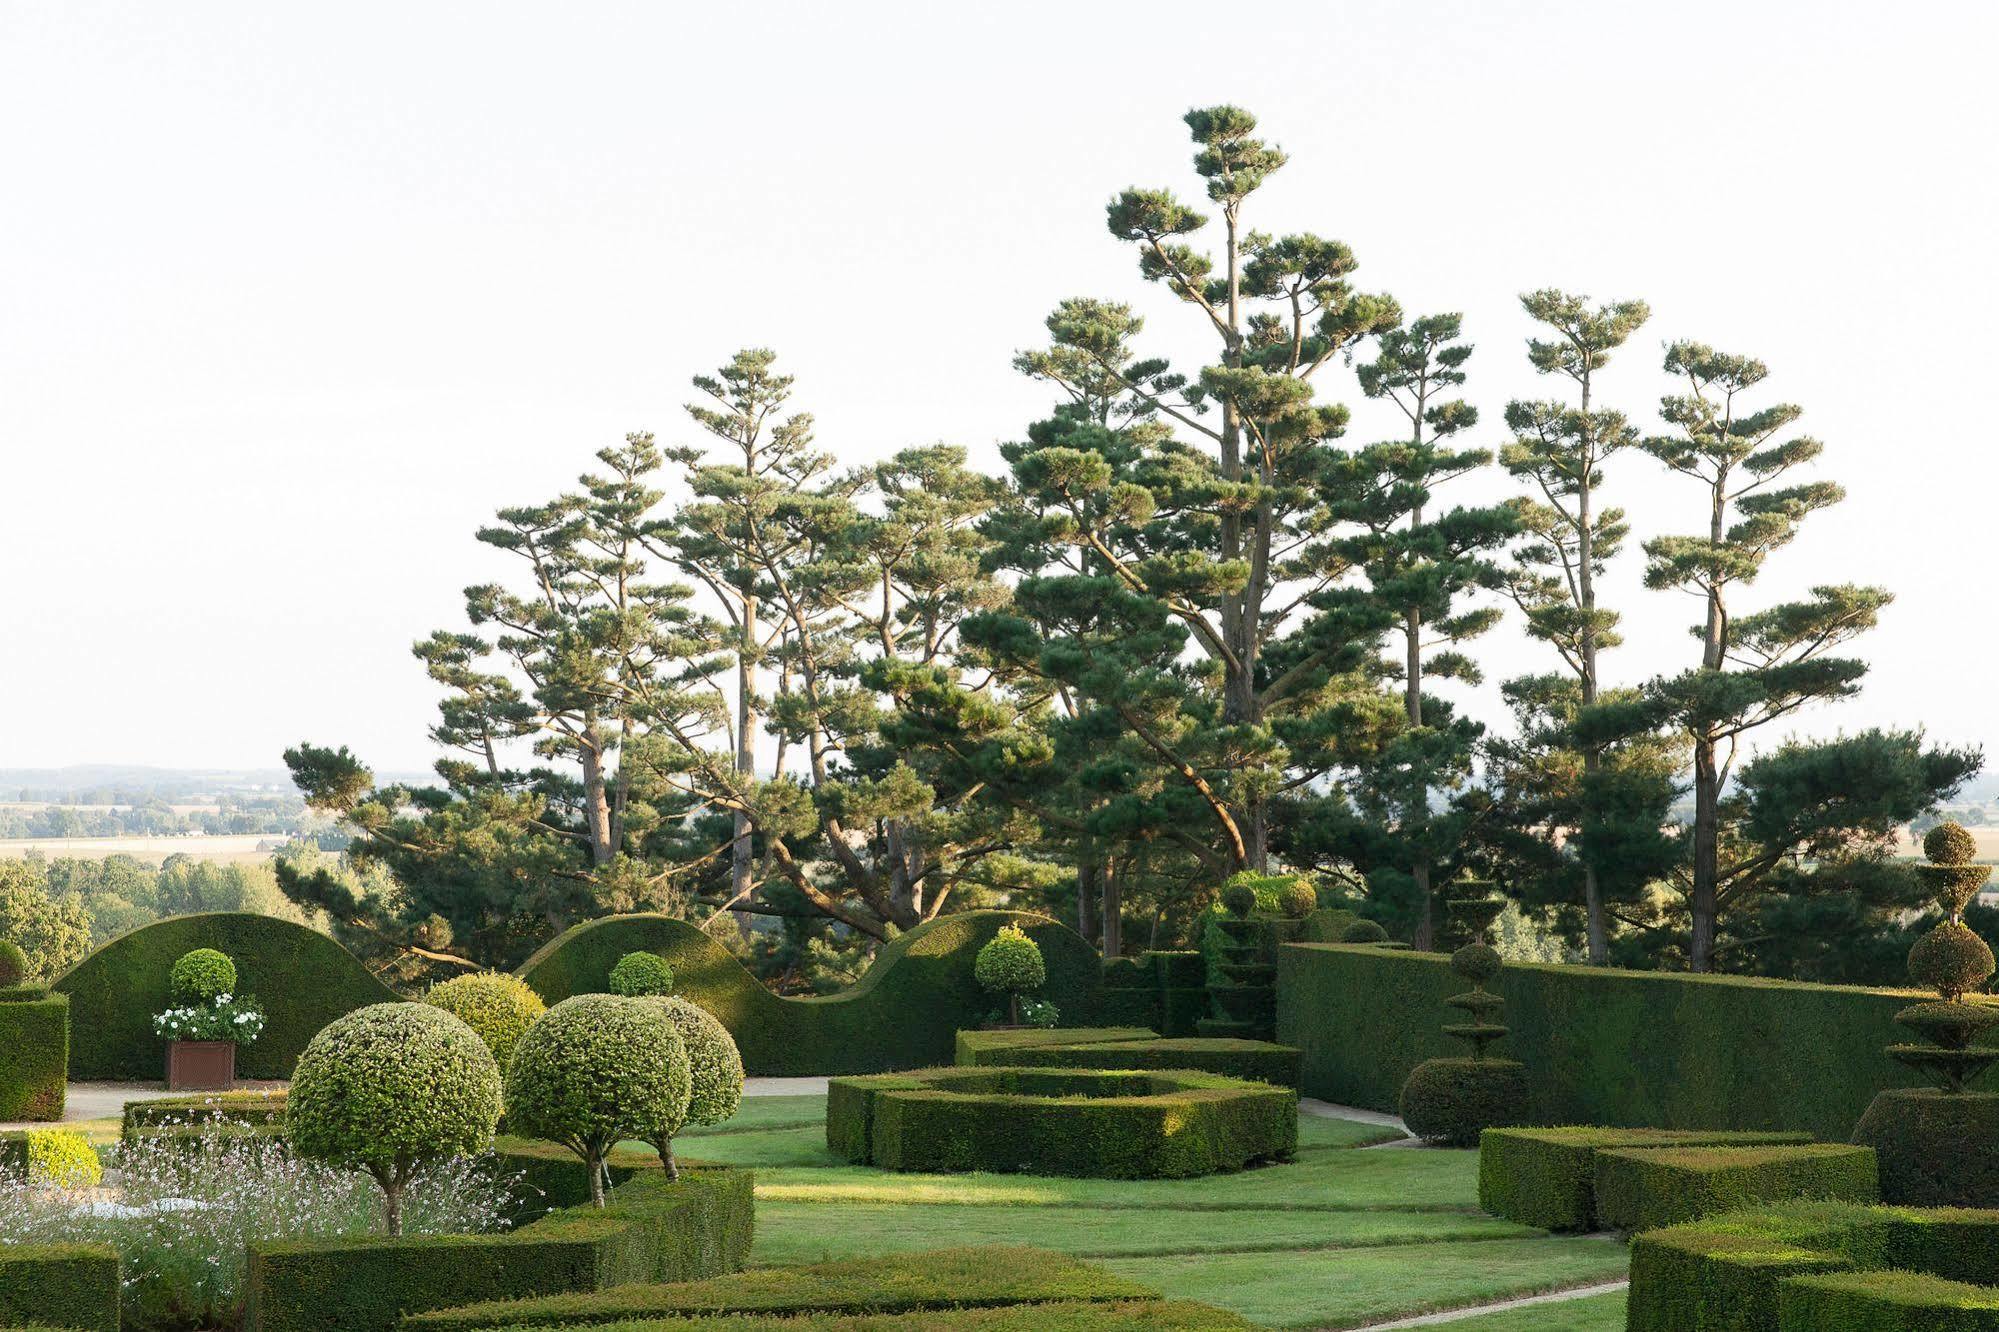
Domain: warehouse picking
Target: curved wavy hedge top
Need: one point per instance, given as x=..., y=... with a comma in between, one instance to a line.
x=904, y=1012
x=301, y=978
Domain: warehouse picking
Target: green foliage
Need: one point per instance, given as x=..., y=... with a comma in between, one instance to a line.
x=200, y=976
x=1886, y=1302
x=637, y=974
x=73, y=1286
x=497, y=1006
x=1949, y=844
x=1449, y=1102
x=1108, y=1315
x=1951, y=959
x=1645, y=1188
x=1546, y=1177
x=13, y=965
x=34, y=1057
x=1364, y=932
x=255, y=1109
x=1010, y=963
x=1298, y=899
x=1257, y=1061
x=1239, y=899
x=1937, y=1149
x=994, y=1047
x=715, y=1065
x=52, y=934
x=1099, y=1124
x=62, y=1159
x=116, y=990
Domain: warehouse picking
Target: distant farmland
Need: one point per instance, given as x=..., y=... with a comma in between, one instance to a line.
x=248, y=847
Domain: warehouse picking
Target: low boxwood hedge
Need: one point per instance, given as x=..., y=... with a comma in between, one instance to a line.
x=59, y=1285
x=1101, y=1124
x=964, y=1278
x=1259, y=1061
x=1100, y=1316
x=1731, y=1273
x=1885, y=1302
x=1546, y=1177
x=980, y=1047
x=263, y=1109
x=653, y=1230
x=1642, y=1188
x=34, y=1054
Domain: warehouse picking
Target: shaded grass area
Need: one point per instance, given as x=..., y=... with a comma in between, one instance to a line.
x=1596, y=1313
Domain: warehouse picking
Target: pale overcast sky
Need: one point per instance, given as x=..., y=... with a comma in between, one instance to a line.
x=292, y=297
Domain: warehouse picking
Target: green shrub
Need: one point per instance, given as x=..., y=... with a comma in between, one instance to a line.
x=1298, y=899
x=389, y=1088
x=1104, y=1124
x=1546, y=1177
x=34, y=1058
x=1885, y=1302
x=651, y=1230
x=13, y=964
x=115, y=991
x=256, y=1109
x=62, y=1159
x=1238, y=899
x=1059, y=1316
x=1010, y=964
x=59, y=1285
x=639, y=974
x=903, y=1013
x=200, y=976
x=1258, y=1061
x=497, y=1006
x=1364, y=931
x=1647, y=1187
x=992, y=1047
x=597, y=1069
x=1451, y=1101
x=1951, y=959
x=966, y=1278
x=714, y=1071
x=1936, y=1149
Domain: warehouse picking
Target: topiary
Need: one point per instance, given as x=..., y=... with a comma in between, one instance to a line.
x=1451, y=1101
x=13, y=964
x=497, y=1006
x=1951, y=959
x=1298, y=899
x=1238, y=899
x=1010, y=964
x=63, y=1159
x=1364, y=931
x=637, y=974
x=1949, y=843
x=594, y=1070
x=199, y=977
x=389, y=1088
x=715, y=1072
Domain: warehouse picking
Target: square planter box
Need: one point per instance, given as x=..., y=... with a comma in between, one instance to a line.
x=201, y=1065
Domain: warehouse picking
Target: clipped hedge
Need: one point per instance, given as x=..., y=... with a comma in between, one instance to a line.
x=1097, y=1124
x=302, y=979
x=59, y=1285
x=1546, y=1177
x=965, y=1278
x=978, y=1047
x=1626, y=1048
x=1885, y=1302
x=1644, y=1188
x=257, y=1109
x=652, y=1230
x=903, y=1013
x=1258, y=1061
x=34, y=1055
x=1068, y=1316
x=1937, y=1150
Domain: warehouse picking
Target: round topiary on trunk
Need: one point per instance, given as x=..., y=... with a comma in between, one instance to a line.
x=497, y=1006
x=715, y=1073
x=1239, y=899
x=1364, y=931
x=1010, y=963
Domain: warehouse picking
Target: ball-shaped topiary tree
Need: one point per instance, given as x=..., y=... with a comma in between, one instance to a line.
x=390, y=1088
x=594, y=1070
x=1298, y=899
x=1010, y=964
x=201, y=976
x=714, y=1069
x=637, y=974
x=497, y=1006
x=1364, y=931
x=1452, y=1101
x=1238, y=899
x=13, y=964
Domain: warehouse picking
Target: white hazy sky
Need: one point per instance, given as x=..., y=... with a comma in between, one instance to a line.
x=292, y=297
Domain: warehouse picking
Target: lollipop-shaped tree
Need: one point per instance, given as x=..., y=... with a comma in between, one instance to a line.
x=1452, y=1101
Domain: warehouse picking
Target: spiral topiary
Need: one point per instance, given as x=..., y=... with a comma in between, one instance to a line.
x=390, y=1088
x=497, y=1006
x=1452, y=1101
x=13, y=964
x=715, y=1073
x=1238, y=899
x=597, y=1069
x=1010, y=964
x=1364, y=931
x=200, y=976
x=1298, y=899
x=640, y=974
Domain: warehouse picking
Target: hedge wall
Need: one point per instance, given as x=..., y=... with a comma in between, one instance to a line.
x=34, y=1056
x=1645, y=1188
x=59, y=1285
x=1546, y=1177
x=1626, y=1048
x=903, y=1013
x=1259, y=1061
x=302, y=979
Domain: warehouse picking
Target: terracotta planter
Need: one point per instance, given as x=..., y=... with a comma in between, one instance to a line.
x=201, y=1065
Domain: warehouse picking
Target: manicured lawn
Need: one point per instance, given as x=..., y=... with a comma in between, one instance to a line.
x=1339, y=1237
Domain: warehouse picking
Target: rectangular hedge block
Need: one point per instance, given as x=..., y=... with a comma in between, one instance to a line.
x=261, y=1109
x=1546, y=1177
x=1644, y=1188
x=34, y=1058
x=59, y=1285
x=1885, y=1302
x=974, y=1277
x=652, y=1230
x=1258, y=1061
x=976, y=1047
x=1076, y=1316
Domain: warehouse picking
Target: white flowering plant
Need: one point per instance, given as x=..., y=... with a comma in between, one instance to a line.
x=226, y=1017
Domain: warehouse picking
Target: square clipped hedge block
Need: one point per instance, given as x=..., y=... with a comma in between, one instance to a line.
x=257, y=1109
x=1546, y=1177
x=985, y=1047
x=59, y=1285
x=1885, y=1302
x=1643, y=1188
x=964, y=1278
x=34, y=1057
x=1257, y=1061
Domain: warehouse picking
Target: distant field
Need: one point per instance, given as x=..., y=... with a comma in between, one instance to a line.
x=152, y=850
x=36, y=806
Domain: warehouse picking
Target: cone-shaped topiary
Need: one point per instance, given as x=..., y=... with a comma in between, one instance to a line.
x=638, y=974
x=1010, y=964
x=13, y=964
x=1452, y=1101
x=715, y=1073
x=497, y=1006
x=198, y=977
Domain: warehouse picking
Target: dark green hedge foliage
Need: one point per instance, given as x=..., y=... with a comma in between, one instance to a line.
x=1451, y=1101
x=1258, y=1061
x=653, y=1230
x=1736, y=1052
x=302, y=980
x=1644, y=1188
x=1935, y=1150
x=1098, y=1124
x=59, y=1285
x=1078, y=1316
x=1885, y=1302
x=979, y=1047
x=1546, y=1177
x=262, y=1109
x=903, y=1013
x=1728, y=1272
x=966, y=1278
x=34, y=1058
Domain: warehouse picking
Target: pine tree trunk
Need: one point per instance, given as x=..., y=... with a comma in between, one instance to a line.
x=1707, y=851
x=1426, y=920
x=1087, y=877
x=1113, y=912
x=1599, y=937
x=596, y=799
x=740, y=867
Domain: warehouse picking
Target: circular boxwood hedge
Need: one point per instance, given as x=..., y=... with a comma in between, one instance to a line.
x=638, y=974
x=497, y=1006
x=1364, y=931
x=200, y=976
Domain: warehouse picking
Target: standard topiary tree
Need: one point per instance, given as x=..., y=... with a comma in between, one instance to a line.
x=1364, y=931
x=639, y=974
x=390, y=1088
x=1010, y=964
x=1452, y=1101
x=714, y=1069
x=497, y=1006
x=201, y=976
x=594, y=1070
x=1298, y=899
x=13, y=964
